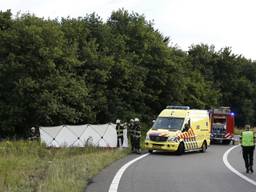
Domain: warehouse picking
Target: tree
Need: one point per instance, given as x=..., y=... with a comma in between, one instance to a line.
x=38, y=86
x=85, y=70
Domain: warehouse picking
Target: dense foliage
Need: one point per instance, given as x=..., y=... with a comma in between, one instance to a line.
x=84, y=70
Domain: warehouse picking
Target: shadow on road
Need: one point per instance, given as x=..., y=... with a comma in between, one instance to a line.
x=166, y=153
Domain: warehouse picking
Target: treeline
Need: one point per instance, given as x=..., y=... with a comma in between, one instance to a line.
x=85, y=70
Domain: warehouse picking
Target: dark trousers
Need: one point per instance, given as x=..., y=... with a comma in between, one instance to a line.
x=120, y=139
x=248, y=156
x=132, y=142
x=137, y=143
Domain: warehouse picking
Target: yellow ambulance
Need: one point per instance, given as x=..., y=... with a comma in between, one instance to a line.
x=179, y=129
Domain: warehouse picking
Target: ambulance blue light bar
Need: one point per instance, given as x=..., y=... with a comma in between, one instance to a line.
x=177, y=107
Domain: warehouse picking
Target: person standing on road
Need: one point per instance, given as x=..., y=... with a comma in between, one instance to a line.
x=248, y=146
x=120, y=133
x=137, y=135
x=131, y=133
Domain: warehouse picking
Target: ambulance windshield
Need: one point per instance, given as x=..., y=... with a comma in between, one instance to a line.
x=170, y=123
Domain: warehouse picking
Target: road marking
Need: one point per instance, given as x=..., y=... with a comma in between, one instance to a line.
x=115, y=182
x=225, y=160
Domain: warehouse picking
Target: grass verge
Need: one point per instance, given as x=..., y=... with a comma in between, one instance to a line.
x=29, y=166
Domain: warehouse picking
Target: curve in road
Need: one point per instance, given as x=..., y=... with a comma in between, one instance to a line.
x=191, y=172
x=115, y=182
x=165, y=172
x=229, y=166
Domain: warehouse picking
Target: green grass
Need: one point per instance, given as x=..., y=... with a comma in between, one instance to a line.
x=29, y=166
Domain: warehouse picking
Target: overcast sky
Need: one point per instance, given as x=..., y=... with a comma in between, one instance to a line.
x=218, y=22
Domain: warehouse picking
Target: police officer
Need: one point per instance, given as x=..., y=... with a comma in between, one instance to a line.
x=131, y=133
x=248, y=145
x=137, y=135
x=120, y=133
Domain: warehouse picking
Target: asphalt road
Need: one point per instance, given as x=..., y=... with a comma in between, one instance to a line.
x=191, y=172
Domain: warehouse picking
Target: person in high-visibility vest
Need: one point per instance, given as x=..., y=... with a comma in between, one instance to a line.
x=248, y=146
x=120, y=133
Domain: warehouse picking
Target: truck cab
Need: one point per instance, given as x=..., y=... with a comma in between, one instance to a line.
x=222, y=125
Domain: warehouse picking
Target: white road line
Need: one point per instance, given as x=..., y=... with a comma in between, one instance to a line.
x=225, y=160
x=115, y=182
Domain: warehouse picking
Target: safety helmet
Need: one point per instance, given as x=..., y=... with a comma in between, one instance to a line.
x=33, y=129
x=131, y=120
x=136, y=119
x=247, y=127
x=118, y=121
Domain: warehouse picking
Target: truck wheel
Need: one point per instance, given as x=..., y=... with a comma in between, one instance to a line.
x=181, y=149
x=150, y=151
x=204, y=147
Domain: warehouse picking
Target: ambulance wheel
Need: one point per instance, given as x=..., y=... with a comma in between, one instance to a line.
x=150, y=151
x=226, y=142
x=181, y=149
x=204, y=147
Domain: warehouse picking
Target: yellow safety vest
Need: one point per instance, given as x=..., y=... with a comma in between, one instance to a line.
x=247, y=139
x=119, y=130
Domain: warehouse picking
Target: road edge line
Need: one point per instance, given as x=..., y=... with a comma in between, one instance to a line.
x=225, y=160
x=115, y=182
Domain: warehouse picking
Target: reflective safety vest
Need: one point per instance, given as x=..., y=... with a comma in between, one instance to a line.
x=247, y=139
x=119, y=130
x=137, y=132
x=131, y=130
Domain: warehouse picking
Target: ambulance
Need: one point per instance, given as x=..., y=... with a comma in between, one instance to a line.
x=179, y=129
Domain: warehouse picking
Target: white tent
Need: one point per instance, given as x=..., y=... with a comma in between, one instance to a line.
x=81, y=135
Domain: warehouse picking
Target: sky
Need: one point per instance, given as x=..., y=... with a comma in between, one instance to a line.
x=222, y=23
